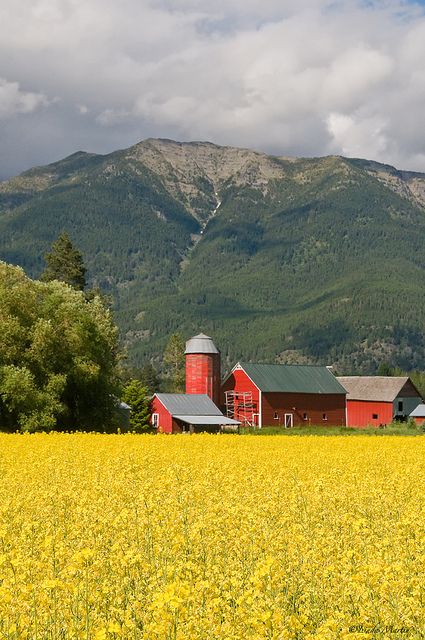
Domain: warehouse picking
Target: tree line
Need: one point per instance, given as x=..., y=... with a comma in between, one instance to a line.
x=61, y=366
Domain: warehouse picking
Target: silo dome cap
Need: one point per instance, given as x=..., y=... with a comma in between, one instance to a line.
x=201, y=344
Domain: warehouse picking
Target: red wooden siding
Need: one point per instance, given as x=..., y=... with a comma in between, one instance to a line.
x=203, y=374
x=312, y=404
x=360, y=413
x=165, y=420
x=419, y=420
x=239, y=381
x=306, y=408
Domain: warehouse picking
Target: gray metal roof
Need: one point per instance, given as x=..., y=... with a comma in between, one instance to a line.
x=419, y=412
x=292, y=378
x=219, y=420
x=191, y=404
x=373, y=388
x=201, y=344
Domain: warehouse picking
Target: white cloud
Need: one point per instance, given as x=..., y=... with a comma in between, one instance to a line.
x=351, y=135
x=15, y=101
x=305, y=77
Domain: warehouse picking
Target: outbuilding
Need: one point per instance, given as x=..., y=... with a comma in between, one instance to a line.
x=283, y=395
x=378, y=400
x=188, y=413
x=418, y=414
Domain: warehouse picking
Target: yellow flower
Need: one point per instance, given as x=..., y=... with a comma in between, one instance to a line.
x=230, y=537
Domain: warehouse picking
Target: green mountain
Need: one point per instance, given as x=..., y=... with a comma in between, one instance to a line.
x=294, y=260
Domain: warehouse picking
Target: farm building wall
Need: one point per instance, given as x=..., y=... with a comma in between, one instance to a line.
x=407, y=400
x=360, y=413
x=404, y=405
x=239, y=382
x=419, y=420
x=305, y=408
x=313, y=405
x=166, y=424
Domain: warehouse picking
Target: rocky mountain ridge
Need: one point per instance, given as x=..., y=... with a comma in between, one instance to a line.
x=315, y=259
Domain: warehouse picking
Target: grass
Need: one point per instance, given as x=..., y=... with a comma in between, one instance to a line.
x=393, y=429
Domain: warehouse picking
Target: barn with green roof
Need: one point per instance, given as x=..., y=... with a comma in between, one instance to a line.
x=283, y=395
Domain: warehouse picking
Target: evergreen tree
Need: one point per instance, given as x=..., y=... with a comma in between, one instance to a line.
x=385, y=369
x=174, y=362
x=147, y=375
x=149, y=378
x=65, y=263
x=138, y=398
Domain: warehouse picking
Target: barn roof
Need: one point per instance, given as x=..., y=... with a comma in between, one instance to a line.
x=191, y=404
x=375, y=388
x=292, y=378
x=419, y=412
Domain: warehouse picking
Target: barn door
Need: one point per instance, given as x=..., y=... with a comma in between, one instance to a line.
x=289, y=420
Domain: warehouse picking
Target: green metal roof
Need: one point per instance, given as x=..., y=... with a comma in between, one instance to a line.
x=293, y=378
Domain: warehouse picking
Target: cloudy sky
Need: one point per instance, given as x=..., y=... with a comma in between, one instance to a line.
x=290, y=77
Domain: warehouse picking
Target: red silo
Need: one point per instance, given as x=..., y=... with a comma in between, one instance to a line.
x=203, y=367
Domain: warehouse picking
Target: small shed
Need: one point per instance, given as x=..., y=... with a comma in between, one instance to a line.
x=283, y=395
x=418, y=414
x=378, y=400
x=122, y=415
x=188, y=413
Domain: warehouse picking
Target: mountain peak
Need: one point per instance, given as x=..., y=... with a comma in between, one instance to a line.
x=319, y=260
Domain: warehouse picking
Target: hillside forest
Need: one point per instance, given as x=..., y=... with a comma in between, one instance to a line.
x=279, y=259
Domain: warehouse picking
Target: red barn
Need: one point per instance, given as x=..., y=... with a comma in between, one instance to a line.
x=418, y=414
x=180, y=413
x=378, y=400
x=283, y=395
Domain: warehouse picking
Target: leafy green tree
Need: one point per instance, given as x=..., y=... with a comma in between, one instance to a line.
x=385, y=369
x=58, y=356
x=174, y=362
x=65, y=263
x=138, y=397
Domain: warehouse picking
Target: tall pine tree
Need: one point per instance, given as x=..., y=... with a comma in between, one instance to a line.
x=65, y=263
x=174, y=362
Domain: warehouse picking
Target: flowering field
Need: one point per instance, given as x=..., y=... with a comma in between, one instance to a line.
x=218, y=537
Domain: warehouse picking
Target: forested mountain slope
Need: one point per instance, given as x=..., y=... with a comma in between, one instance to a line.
x=303, y=260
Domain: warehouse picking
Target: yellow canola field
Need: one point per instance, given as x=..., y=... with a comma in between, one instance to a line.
x=211, y=537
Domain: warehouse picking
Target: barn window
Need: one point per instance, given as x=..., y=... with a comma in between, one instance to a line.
x=304, y=416
x=374, y=416
x=276, y=417
x=400, y=405
x=155, y=420
x=324, y=416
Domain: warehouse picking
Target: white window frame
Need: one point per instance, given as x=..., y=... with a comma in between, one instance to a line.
x=291, y=420
x=155, y=420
